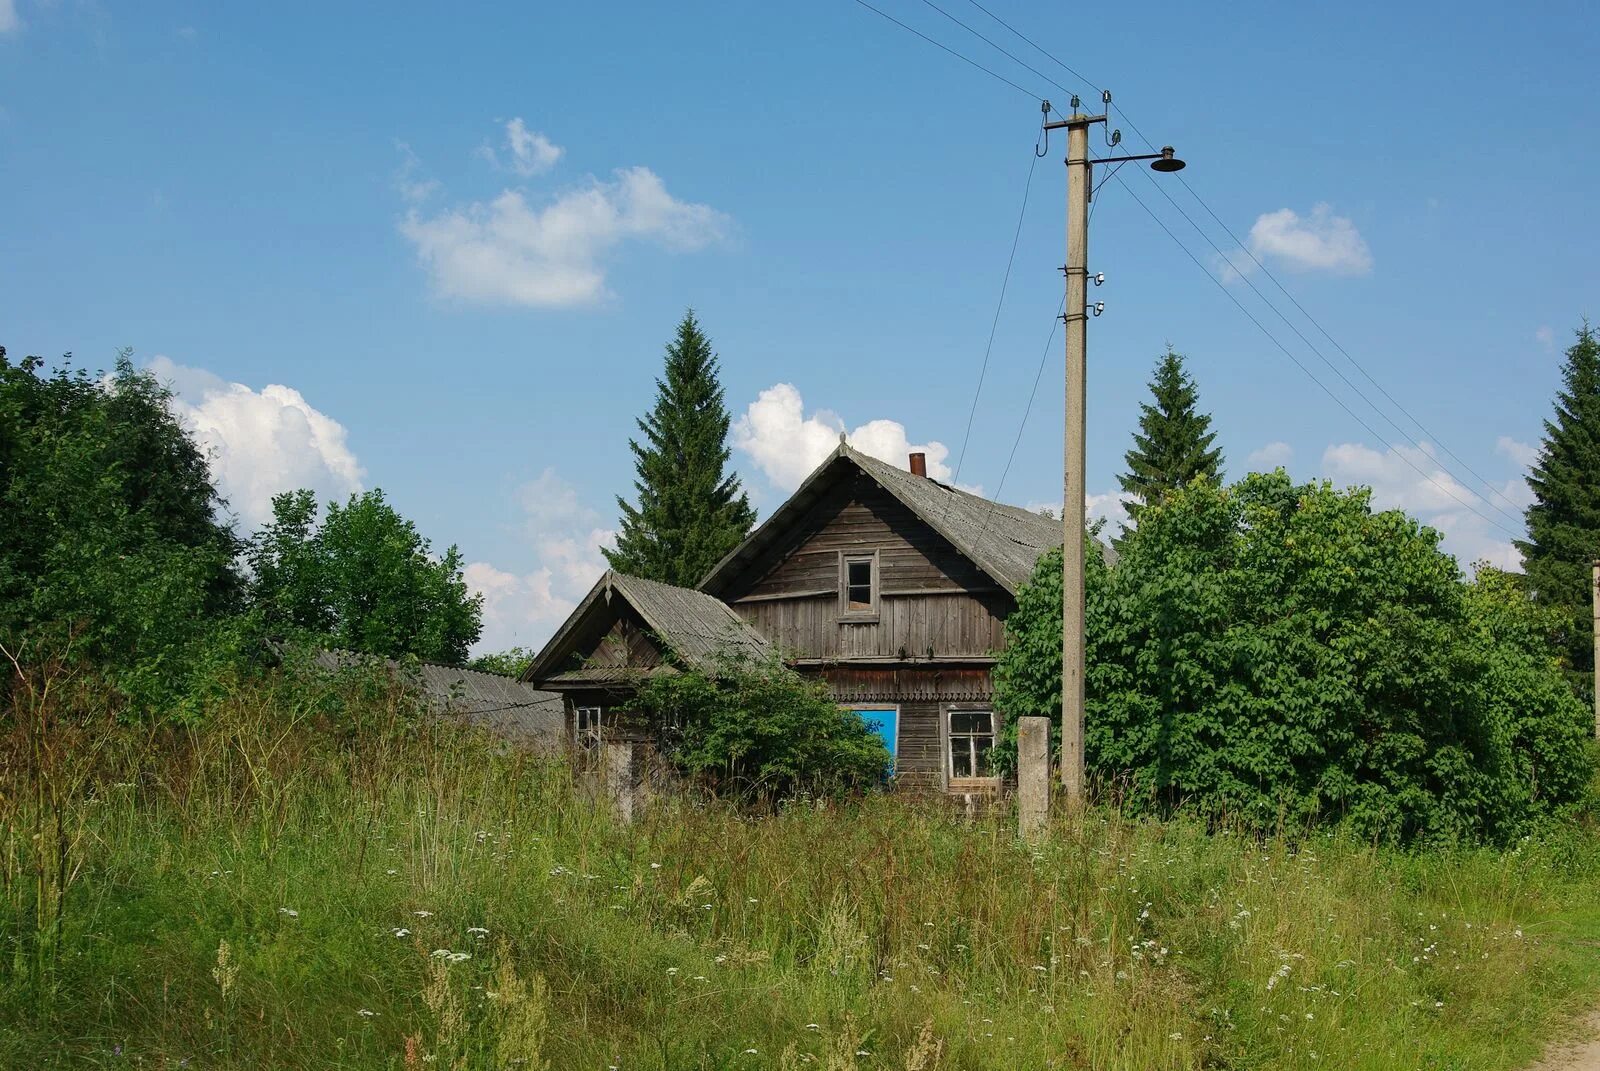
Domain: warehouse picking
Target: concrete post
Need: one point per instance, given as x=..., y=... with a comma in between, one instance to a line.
x=622, y=761
x=1033, y=776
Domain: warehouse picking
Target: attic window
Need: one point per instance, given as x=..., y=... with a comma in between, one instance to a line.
x=858, y=585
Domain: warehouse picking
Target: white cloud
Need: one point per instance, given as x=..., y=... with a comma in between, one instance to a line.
x=1545, y=336
x=510, y=252
x=1468, y=520
x=1111, y=508
x=261, y=442
x=530, y=152
x=1522, y=453
x=8, y=16
x=1274, y=455
x=566, y=538
x=1321, y=241
x=787, y=445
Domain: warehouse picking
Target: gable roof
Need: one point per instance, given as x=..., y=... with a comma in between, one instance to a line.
x=503, y=705
x=1004, y=541
x=698, y=628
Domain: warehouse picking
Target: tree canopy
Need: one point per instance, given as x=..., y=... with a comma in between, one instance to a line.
x=691, y=509
x=364, y=579
x=1279, y=652
x=1174, y=442
x=110, y=546
x=1564, y=519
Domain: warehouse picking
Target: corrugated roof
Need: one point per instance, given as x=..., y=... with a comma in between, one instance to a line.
x=1004, y=541
x=699, y=629
x=505, y=706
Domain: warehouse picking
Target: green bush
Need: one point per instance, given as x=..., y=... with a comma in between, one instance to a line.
x=762, y=730
x=1280, y=653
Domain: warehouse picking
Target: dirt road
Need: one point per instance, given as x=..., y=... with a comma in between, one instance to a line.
x=1579, y=1053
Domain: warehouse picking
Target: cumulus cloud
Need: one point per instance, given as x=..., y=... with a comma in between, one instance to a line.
x=1434, y=497
x=1524, y=454
x=1321, y=241
x=1545, y=336
x=261, y=442
x=1274, y=455
x=528, y=152
x=8, y=16
x=787, y=445
x=565, y=538
x=509, y=251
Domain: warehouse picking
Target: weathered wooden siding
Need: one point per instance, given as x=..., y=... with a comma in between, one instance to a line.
x=626, y=644
x=919, y=766
x=933, y=603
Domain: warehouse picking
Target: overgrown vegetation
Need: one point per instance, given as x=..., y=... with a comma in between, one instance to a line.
x=761, y=730
x=110, y=548
x=1279, y=653
x=118, y=556
x=314, y=877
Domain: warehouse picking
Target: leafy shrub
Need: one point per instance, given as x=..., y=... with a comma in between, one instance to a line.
x=1281, y=653
x=761, y=729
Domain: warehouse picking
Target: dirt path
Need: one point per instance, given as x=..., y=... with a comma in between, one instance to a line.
x=1579, y=1053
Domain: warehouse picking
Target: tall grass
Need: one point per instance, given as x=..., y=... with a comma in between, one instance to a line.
x=318, y=879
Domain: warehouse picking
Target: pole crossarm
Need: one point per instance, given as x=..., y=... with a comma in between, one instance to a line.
x=1074, y=120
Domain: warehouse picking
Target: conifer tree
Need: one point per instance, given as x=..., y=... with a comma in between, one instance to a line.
x=1564, y=520
x=1173, y=443
x=691, y=509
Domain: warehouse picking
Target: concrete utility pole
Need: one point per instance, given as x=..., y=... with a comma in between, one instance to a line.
x=1595, y=586
x=1074, y=449
x=1074, y=522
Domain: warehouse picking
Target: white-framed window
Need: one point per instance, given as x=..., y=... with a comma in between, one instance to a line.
x=586, y=721
x=970, y=736
x=858, y=584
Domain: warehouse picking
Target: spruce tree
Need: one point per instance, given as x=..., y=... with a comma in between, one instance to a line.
x=1564, y=520
x=691, y=509
x=1173, y=443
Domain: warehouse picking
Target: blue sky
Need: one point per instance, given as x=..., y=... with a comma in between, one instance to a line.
x=440, y=253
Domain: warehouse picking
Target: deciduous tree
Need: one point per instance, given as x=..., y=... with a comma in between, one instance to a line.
x=364, y=580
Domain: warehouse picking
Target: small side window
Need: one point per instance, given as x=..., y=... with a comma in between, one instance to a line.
x=971, y=739
x=858, y=594
x=587, y=723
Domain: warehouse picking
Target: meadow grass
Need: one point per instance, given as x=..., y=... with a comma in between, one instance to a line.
x=276, y=891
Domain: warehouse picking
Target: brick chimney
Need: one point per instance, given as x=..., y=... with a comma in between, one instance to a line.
x=919, y=464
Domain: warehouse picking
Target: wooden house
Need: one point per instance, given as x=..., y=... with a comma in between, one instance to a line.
x=891, y=586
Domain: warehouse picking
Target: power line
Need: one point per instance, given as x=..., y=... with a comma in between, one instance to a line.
x=1008, y=55
x=994, y=326
x=1309, y=374
x=1428, y=434
x=1044, y=357
x=1359, y=393
x=1025, y=40
x=1398, y=406
x=946, y=48
x=1140, y=134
